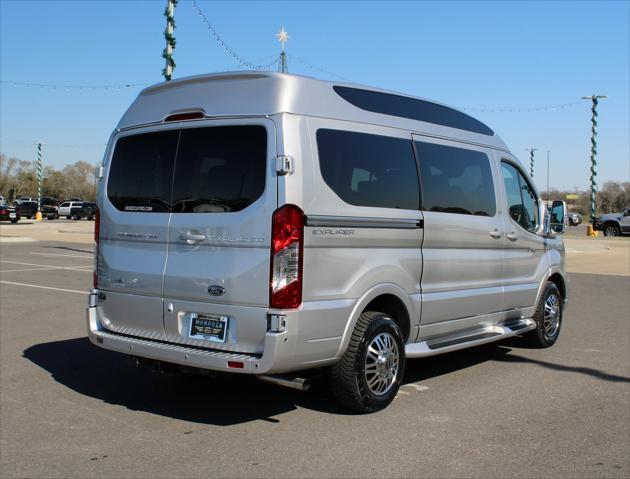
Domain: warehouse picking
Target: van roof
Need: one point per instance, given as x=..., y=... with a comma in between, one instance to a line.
x=258, y=93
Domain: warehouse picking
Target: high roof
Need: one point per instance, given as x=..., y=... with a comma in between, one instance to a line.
x=258, y=93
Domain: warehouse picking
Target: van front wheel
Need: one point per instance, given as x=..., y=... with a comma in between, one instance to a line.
x=369, y=374
x=548, y=317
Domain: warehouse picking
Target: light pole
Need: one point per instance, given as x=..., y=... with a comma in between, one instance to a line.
x=167, y=54
x=531, y=161
x=40, y=177
x=547, y=176
x=594, y=98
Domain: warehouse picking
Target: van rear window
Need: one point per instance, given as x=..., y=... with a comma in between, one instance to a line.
x=141, y=172
x=219, y=169
x=197, y=170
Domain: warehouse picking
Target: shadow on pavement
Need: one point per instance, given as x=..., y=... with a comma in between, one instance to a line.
x=229, y=399
x=596, y=373
x=222, y=400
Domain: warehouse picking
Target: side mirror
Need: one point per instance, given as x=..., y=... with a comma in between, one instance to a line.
x=557, y=217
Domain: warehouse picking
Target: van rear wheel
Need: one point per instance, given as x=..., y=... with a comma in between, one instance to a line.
x=370, y=372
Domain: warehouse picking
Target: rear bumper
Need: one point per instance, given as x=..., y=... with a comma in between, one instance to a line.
x=285, y=351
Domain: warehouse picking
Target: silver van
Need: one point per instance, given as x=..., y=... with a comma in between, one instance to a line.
x=266, y=224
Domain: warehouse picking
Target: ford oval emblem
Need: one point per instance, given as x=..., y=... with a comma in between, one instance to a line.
x=216, y=290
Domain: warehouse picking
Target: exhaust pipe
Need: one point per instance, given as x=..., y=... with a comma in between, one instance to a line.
x=293, y=383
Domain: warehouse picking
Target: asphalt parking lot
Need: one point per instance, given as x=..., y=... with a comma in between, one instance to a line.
x=69, y=409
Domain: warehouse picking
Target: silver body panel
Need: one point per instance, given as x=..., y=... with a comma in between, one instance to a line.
x=454, y=279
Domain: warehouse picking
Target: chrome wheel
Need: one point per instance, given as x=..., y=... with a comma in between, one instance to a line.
x=551, y=321
x=382, y=363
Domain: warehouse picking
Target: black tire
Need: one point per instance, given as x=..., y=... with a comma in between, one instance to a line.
x=349, y=379
x=611, y=229
x=68, y=217
x=547, y=330
x=89, y=218
x=14, y=220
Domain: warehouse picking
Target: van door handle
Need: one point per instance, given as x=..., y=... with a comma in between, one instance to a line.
x=496, y=234
x=511, y=236
x=191, y=238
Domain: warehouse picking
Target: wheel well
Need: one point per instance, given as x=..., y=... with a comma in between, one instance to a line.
x=394, y=307
x=610, y=222
x=559, y=282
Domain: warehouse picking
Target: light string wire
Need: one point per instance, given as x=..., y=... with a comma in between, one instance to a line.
x=226, y=47
x=55, y=86
x=527, y=109
x=50, y=145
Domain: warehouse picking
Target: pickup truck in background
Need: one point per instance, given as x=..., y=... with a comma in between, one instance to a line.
x=614, y=224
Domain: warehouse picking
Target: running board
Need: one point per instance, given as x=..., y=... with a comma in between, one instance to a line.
x=467, y=339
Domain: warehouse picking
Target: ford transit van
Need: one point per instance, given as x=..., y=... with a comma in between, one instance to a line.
x=266, y=224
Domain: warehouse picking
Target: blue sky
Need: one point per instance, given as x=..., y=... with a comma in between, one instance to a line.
x=467, y=54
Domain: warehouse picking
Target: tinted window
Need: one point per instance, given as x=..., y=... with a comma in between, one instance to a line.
x=369, y=170
x=456, y=180
x=522, y=203
x=406, y=107
x=219, y=169
x=141, y=172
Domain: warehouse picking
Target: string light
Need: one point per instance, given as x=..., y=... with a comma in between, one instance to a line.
x=225, y=46
x=53, y=145
x=55, y=86
x=319, y=69
x=528, y=109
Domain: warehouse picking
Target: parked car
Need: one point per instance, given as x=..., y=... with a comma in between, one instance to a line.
x=25, y=199
x=574, y=219
x=614, y=224
x=86, y=210
x=27, y=209
x=8, y=213
x=65, y=208
x=297, y=237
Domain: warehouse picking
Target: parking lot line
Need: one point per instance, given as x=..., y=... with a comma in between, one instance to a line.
x=76, y=268
x=44, y=287
x=65, y=255
x=47, y=265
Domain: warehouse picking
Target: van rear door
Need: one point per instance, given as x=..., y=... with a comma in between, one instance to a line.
x=217, y=269
x=134, y=216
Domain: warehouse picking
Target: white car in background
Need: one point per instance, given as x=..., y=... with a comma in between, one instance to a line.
x=66, y=207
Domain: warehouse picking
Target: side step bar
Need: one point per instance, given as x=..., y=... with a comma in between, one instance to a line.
x=475, y=337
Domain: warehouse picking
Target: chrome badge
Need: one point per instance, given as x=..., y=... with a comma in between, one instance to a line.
x=215, y=290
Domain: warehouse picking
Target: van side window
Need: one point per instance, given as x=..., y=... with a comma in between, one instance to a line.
x=219, y=169
x=141, y=172
x=456, y=180
x=522, y=202
x=369, y=170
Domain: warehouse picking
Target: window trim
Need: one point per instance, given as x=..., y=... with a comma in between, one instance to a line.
x=518, y=168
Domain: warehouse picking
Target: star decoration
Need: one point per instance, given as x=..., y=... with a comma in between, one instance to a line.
x=283, y=37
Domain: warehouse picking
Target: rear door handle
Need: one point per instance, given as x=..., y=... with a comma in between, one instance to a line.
x=496, y=234
x=511, y=236
x=191, y=238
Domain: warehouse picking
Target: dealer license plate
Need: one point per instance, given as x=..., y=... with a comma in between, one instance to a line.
x=208, y=328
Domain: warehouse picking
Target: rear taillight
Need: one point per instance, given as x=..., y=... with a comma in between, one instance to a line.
x=287, y=244
x=97, y=232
